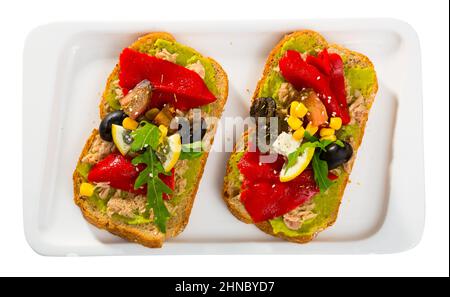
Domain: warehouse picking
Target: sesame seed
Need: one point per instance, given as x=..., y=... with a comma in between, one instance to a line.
x=273, y=186
x=318, y=78
x=260, y=164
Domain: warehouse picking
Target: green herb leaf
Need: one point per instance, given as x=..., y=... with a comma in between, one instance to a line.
x=155, y=186
x=191, y=151
x=146, y=135
x=310, y=137
x=320, y=168
x=340, y=143
x=324, y=143
x=292, y=157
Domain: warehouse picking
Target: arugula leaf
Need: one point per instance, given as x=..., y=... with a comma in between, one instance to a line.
x=292, y=157
x=155, y=186
x=320, y=168
x=310, y=137
x=340, y=143
x=191, y=151
x=146, y=135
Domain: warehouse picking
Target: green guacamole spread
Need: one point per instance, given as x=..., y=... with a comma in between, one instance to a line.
x=234, y=170
x=349, y=131
x=98, y=203
x=362, y=79
x=83, y=170
x=191, y=175
x=136, y=220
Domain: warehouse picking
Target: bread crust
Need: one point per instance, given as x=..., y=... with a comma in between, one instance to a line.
x=179, y=219
x=265, y=226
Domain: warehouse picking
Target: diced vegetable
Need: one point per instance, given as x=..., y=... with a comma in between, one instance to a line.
x=301, y=110
x=329, y=137
x=299, y=133
x=294, y=122
x=164, y=117
x=87, y=189
x=311, y=128
x=129, y=123
x=335, y=123
x=326, y=132
x=317, y=113
x=151, y=113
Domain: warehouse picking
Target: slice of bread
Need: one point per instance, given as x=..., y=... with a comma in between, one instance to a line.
x=147, y=234
x=233, y=179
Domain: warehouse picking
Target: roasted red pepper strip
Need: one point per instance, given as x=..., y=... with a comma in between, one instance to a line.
x=117, y=171
x=169, y=180
x=332, y=176
x=120, y=173
x=337, y=81
x=302, y=75
x=262, y=193
x=181, y=87
x=321, y=62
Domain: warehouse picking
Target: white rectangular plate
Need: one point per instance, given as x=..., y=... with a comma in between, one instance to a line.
x=65, y=70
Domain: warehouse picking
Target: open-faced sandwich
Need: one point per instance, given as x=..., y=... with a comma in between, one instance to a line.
x=138, y=174
x=310, y=108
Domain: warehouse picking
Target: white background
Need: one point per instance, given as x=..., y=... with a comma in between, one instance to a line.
x=429, y=18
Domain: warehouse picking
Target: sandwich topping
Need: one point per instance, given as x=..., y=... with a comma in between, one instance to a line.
x=313, y=141
x=129, y=171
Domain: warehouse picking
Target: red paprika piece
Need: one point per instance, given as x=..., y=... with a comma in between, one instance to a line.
x=172, y=83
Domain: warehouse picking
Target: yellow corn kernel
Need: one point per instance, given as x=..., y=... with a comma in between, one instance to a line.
x=329, y=137
x=294, y=106
x=311, y=129
x=336, y=123
x=130, y=124
x=294, y=122
x=299, y=133
x=87, y=189
x=163, y=129
x=326, y=132
x=300, y=110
